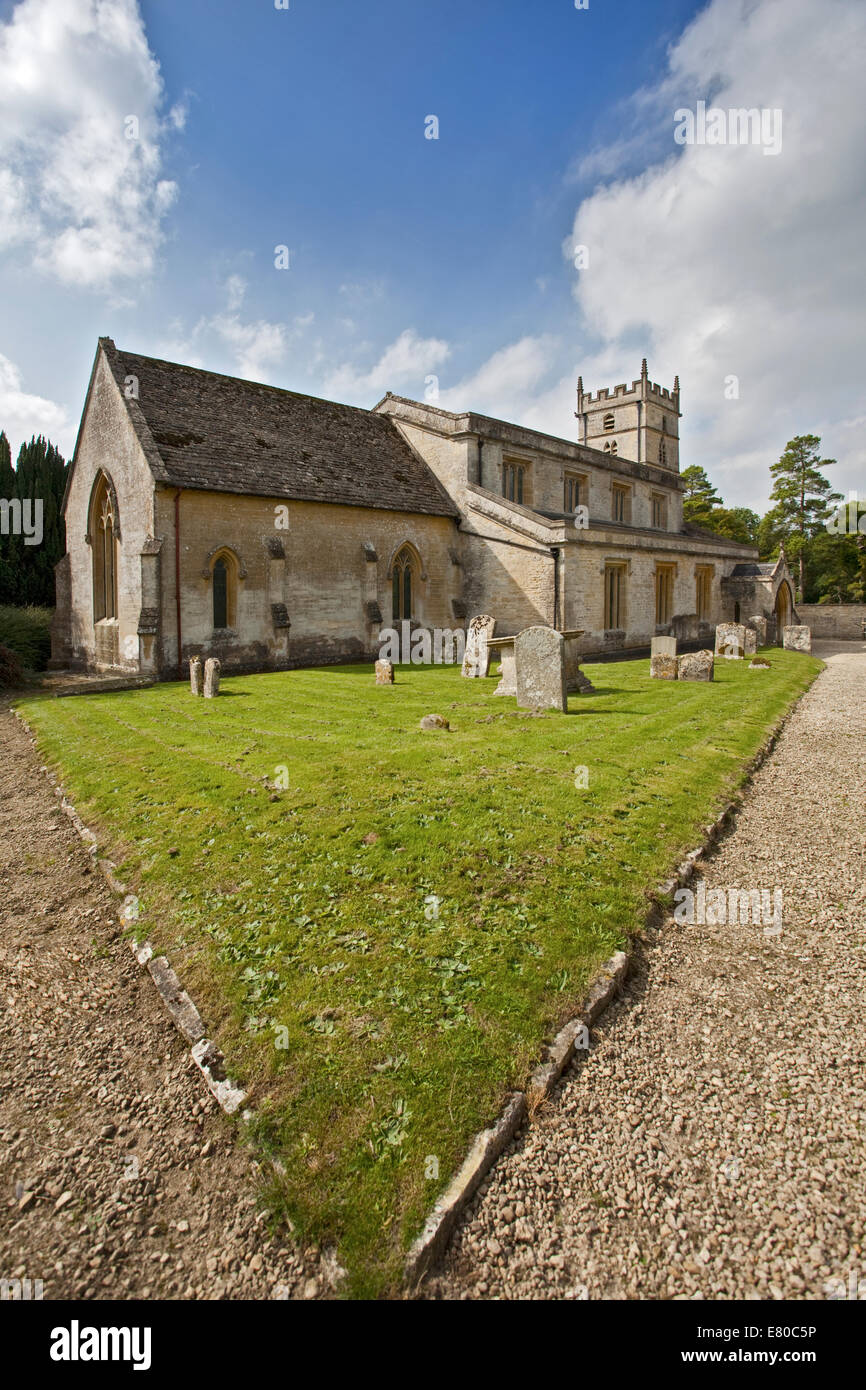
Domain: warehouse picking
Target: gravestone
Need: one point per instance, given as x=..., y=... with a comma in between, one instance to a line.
x=196, y=676
x=539, y=658
x=211, y=678
x=759, y=623
x=695, y=666
x=384, y=673
x=731, y=641
x=663, y=659
x=751, y=642
x=686, y=626
x=797, y=638
x=476, y=658
x=503, y=647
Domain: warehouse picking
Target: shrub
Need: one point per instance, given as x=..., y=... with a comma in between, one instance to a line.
x=10, y=668
x=27, y=631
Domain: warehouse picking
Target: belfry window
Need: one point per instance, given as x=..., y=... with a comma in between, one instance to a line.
x=608, y=421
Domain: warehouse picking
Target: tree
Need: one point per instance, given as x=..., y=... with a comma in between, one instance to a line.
x=737, y=523
x=700, y=497
x=27, y=571
x=803, y=499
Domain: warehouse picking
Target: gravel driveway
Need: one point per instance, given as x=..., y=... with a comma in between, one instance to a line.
x=119, y=1175
x=712, y=1143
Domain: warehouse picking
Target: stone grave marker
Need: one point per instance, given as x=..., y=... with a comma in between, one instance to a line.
x=695, y=666
x=797, y=638
x=663, y=659
x=384, y=673
x=211, y=678
x=731, y=641
x=476, y=657
x=196, y=676
x=539, y=654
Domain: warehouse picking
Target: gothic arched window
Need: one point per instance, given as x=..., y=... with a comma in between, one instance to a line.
x=224, y=590
x=403, y=576
x=103, y=539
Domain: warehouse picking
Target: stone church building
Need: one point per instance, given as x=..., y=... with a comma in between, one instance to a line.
x=211, y=516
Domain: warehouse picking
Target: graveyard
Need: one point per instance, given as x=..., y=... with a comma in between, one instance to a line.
x=382, y=923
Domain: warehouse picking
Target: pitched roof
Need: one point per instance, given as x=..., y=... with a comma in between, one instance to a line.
x=744, y=571
x=223, y=434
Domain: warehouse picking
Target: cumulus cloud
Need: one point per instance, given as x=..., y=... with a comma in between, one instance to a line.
x=80, y=140
x=506, y=384
x=404, y=363
x=721, y=262
x=23, y=415
x=247, y=347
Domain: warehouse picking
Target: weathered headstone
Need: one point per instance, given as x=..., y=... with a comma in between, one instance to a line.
x=751, y=642
x=663, y=667
x=540, y=661
x=759, y=623
x=663, y=646
x=695, y=666
x=797, y=638
x=731, y=641
x=384, y=673
x=503, y=647
x=434, y=721
x=211, y=678
x=196, y=676
x=476, y=657
x=686, y=626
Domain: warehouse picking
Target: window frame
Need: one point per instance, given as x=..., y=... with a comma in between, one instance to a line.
x=665, y=580
x=615, y=596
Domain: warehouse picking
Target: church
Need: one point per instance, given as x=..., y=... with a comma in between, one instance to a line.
x=211, y=516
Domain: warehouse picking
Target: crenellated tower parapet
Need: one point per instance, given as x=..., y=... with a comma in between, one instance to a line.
x=638, y=422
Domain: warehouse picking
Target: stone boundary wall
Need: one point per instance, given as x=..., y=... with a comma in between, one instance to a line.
x=844, y=621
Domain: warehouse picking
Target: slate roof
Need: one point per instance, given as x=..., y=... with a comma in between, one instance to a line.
x=223, y=434
x=743, y=571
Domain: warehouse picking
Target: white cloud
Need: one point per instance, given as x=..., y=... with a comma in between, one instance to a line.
x=254, y=348
x=721, y=261
x=86, y=199
x=405, y=362
x=23, y=415
x=506, y=384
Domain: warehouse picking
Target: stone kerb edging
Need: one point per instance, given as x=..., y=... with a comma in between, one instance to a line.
x=486, y=1148
x=180, y=1007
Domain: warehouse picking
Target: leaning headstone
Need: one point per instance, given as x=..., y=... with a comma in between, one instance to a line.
x=759, y=623
x=797, y=638
x=731, y=641
x=540, y=668
x=196, y=676
x=476, y=657
x=211, y=678
x=384, y=673
x=751, y=642
x=695, y=666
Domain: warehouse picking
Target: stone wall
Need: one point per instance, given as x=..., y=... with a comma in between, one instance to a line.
x=842, y=621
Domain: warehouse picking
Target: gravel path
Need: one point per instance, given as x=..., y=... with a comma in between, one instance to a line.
x=119, y=1175
x=712, y=1143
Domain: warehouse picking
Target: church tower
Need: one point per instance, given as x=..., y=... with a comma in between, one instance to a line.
x=641, y=423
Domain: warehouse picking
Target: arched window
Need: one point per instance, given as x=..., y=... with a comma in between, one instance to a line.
x=103, y=540
x=610, y=446
x=663, y=453
x=608, y=421
x=403, y=575
x=224, y=572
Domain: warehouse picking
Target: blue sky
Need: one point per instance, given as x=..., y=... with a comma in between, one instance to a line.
x=452, y=257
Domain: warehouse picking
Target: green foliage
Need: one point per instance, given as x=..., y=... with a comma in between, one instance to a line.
x=803, y=500
x=27, y=571
x=382, y=947
x=11, y=674
x=27, y=631
x=700, y=498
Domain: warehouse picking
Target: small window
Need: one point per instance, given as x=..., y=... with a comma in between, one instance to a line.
x=513, y=481
x=614, y=596
x=619, y=509
x=575, y=492
x=664, y=594
x=608, y=421
x=663, y=453
x=610, y=446
x=659, y=511
x=224, y=576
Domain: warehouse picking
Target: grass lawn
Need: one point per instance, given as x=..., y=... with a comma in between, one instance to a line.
x=381, y=945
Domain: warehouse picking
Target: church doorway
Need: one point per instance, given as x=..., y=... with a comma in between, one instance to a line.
x=784, y=609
